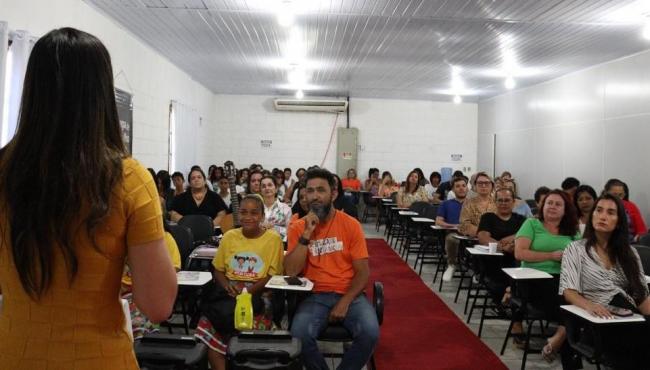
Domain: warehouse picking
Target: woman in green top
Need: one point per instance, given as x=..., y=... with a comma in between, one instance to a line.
x=539, y=244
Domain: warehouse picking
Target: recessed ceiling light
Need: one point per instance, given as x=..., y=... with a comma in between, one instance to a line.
x=285, y=18
x=300, y=94
x=457, y=99
x=510, y=83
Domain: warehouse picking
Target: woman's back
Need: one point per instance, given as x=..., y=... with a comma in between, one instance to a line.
x=80, y=325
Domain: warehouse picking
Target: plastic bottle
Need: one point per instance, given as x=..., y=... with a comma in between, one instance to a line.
x=244, y=311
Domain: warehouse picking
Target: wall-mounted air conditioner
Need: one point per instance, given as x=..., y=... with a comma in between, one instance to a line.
x=334, y=106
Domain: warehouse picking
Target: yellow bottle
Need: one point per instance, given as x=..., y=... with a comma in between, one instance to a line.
x=244, y=311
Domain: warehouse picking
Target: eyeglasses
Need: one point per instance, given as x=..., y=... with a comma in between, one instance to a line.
x=504, y=201
x=483, y=183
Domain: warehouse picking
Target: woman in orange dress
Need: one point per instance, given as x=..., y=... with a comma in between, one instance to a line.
x=73, y=205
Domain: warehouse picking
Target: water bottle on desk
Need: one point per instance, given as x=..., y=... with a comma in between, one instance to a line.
x=244, y=311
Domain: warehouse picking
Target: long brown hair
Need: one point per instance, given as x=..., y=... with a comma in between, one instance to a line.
x=619, y=250
x=66, y=158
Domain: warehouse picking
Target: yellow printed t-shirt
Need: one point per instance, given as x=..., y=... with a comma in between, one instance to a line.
x=80, y=325
x=333, y=247
x=243, y=259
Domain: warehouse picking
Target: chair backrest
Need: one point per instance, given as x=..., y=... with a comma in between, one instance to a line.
x=533, y=205
x=393, y=196
x=418, y=207
x=185, y=241
x=644, y=254
x=645, y=240
x=430, y=211
x=201, y=226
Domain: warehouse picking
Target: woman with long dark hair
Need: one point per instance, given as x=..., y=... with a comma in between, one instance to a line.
x=411, y=192
x=603, y=270
x=584, y=201
x=73, y=205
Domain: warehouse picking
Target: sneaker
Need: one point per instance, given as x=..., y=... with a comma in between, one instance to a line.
x=449, y=273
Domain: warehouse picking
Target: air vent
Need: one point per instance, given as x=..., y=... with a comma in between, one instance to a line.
x=311, y=105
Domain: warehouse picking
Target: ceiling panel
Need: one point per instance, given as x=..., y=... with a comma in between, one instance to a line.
x=382, y=48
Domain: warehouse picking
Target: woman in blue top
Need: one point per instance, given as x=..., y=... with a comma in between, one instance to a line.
x=539, y=244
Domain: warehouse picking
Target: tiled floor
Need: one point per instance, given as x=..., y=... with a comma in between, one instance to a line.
x=493, y=330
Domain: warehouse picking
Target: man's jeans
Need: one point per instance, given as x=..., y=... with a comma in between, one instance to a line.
x=311, y=319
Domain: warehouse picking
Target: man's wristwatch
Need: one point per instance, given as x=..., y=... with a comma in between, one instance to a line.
x=304, y=241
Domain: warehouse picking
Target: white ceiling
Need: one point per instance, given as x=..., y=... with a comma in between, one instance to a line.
x=383, y=48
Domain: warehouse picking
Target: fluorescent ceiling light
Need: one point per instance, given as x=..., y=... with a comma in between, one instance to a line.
x=457, y=99
x=300, y=94
x=286, y=18
x=635, y=12
x=646, y=30
x=510, y=83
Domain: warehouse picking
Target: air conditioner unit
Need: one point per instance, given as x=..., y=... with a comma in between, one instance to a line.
x=334, y=106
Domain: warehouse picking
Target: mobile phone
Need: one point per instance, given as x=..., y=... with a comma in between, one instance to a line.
x=621, y=312
x=293, y=280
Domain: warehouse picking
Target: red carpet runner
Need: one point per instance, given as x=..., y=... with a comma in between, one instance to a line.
x=419, y=331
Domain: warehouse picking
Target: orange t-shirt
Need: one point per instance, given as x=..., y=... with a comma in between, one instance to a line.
x=354, y=184
x=332, y=249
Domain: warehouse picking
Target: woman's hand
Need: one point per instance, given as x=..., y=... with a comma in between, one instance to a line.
x=599, y=311
x=557, y=255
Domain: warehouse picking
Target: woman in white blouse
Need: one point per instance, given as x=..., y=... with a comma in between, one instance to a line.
x=603, y=270
x=276, y=213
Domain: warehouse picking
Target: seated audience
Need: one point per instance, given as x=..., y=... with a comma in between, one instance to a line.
x=539, y=244
x=341, y=202
x=569, y=186
x=506, y=175
x=445, y=187
x=279, y=184
x=288, y=181
x=276, y=214
x=242, y=179
x=224, y=191
x=636, y=224
x=602, y=271
x=351, y=183
x=520, y=207
x=164, y=184
x=247, y=257
x=432, y=186
x=198, y=200
x=179, y=184
x=449, y=216
x=474, y=208
x=422, y=181
x=301, y=207
x=216, y=173
x=254, y=182
x=291, y=195
x=371, y=184
x=328, y=247
x=500, y=227
x=585, y=198
x=388, y=185
x=539, y=196
x=412, y=192
x=208, y=184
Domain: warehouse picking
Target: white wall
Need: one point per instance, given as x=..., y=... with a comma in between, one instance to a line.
x=152, y=80
x=592, y=124
x=394, y=135
x=398, y=135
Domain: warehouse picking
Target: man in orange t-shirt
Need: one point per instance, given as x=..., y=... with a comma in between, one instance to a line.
x=328, y=247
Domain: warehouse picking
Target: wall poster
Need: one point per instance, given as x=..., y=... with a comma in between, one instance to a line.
x=124, y=102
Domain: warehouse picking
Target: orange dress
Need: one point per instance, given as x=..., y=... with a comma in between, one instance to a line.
x=80, y=325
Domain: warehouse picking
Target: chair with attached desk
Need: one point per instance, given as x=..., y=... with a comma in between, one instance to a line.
x=337, y=333
x=369, y=206
x=644, y=255
x=201, y=226
x=587, y=334
x=184, y=240
x=521, y=277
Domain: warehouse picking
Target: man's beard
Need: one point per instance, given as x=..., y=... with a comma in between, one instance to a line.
x=321, y=210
